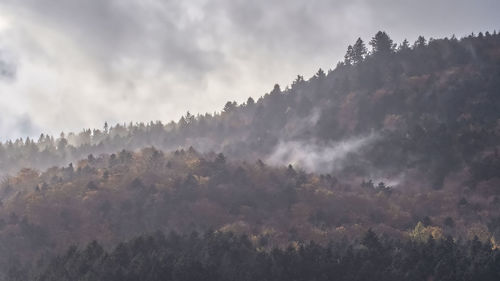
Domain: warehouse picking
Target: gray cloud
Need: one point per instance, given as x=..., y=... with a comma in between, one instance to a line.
x=7, y=70
x=79, y=63
x=17, y=125
x=8, y=67
x=112, y=31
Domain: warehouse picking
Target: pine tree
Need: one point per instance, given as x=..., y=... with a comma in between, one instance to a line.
x=349, y=56
x=320, y=75
x=382, y=44
x=404, y=46
x=421, y=42
x=359, y=51
x=250, y=101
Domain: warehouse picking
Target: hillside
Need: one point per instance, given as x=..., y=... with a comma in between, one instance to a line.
x=402, y=140
x=432, y=108
x=224, y=256
x=113, y=198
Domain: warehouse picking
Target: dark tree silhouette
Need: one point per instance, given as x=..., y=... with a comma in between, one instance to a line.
x=359, y=51
x=382, y=44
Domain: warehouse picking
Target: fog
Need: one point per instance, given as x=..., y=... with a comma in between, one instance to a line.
x=319, y=157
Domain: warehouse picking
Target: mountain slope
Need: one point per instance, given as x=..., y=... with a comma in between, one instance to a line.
x=433, y=108
x=224, y=256
x=113, y=198
x=403, y=141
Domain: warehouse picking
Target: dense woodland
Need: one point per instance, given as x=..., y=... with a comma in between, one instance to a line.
x=401, y=140
x=434, y=106
x=116, y=197
x=225, y=256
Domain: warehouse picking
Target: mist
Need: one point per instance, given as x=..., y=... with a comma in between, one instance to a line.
x=201, y=131
x=314, y=156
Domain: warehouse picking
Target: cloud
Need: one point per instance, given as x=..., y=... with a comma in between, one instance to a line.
x=20, y=125
x=80, y=63
x=318, y=157
x=8, y=66
x=7, y=70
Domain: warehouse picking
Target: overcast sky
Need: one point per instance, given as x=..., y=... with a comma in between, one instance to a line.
x=73, y=64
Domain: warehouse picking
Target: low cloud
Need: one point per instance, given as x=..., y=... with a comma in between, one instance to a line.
x=7, y=67
x=316, y=156
x=20, y=125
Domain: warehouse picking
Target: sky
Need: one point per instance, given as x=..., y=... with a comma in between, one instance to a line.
x=66, y=65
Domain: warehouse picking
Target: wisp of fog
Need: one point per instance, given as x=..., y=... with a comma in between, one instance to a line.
x=316, y=156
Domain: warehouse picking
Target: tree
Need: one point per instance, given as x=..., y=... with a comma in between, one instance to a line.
x=62, y=143
x=298, y=81
x=320, y=75
x=359, y=51
x=220, y=160
x=291, y=171
x=382, y=44
x=276, y=90
x=230, y=106
x=370, y=240
x=349, y=56
x=404, y=46
x=250, y=101
x=421, y=42
x=182, y=122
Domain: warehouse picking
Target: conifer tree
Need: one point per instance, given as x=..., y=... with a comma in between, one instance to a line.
x=382, y=44
x=359, y=51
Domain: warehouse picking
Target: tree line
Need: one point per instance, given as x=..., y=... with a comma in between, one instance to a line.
x=226, y=256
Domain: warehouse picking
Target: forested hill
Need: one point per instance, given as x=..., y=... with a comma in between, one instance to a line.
x=402, y=140
x=431, y=108
x=225, y=256
x=113, y=198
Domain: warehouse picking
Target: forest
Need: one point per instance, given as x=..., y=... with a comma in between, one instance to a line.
x=406, y=102
x=225, y=256
x=385, y=167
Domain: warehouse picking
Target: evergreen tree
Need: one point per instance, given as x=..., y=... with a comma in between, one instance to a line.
x=276, y=90
x=382, y=44
x=404, y=46
x=320, y=75
x=421, y=42
x=349, y=56
x=230, y=106
x=250, y=101
x=359, y=51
